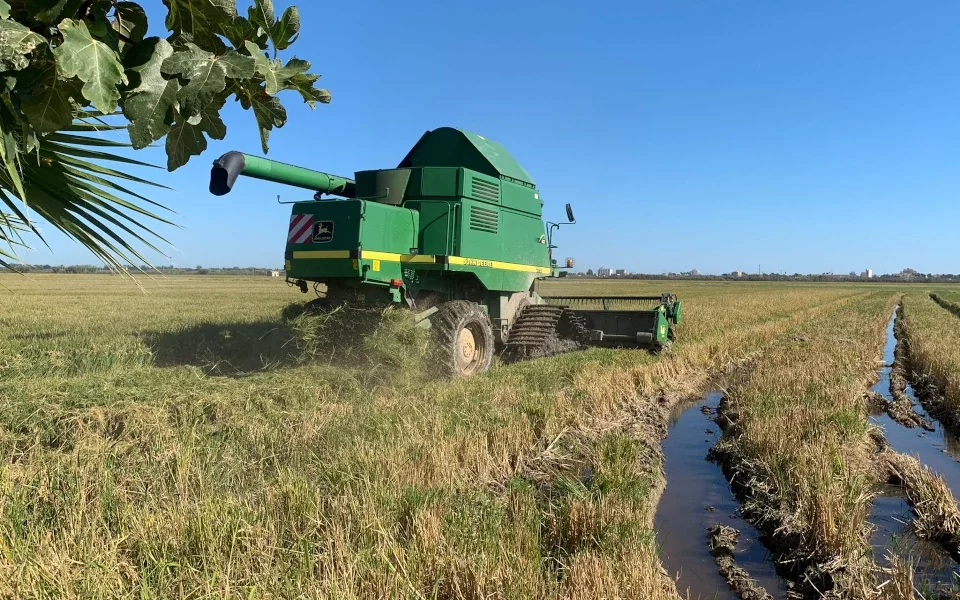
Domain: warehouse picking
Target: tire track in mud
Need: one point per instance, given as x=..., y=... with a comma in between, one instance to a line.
x=915, y=512
x=697, y=504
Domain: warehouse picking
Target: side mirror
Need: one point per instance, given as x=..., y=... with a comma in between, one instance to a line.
x=570, y=214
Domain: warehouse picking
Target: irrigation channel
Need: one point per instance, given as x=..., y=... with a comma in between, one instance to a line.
x=939, y=451
x=697, y=497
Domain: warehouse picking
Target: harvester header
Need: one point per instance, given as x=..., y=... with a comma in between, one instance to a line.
x=455, y=232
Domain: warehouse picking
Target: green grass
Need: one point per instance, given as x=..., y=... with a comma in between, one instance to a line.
x=189, y=442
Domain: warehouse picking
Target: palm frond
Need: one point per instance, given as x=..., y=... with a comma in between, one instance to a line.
x=11, y=234
x=76, y=183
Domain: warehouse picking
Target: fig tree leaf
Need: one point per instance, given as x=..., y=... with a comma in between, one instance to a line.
x=51, y=11
x=241, y=30
x=151, y=104
x=48, y=101
x=93, y=62
x=101, y=28
x=304, y=83
x=205, y=74
x=294, y=66
x=287, y=29
x=186, y=138
x=213, y=125
x=267, y=109
x=261, y=14
x=282, y=32
x=294, y=76
x=265, y=68
x=16, y=42
x=130, y=21
x=195, y=16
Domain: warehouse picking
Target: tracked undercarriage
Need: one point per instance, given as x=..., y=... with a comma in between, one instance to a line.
x=556, y=327
x=544, y=330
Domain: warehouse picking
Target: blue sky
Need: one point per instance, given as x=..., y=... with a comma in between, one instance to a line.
x=718, y=135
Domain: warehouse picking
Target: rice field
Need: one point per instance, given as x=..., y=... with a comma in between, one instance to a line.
x=199, y=439
x=931, y=326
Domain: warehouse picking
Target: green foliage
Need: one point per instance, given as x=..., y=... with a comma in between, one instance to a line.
x=71, y=67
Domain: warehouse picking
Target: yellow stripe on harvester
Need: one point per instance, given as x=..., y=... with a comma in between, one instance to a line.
x=419, y=258
x=495, y=264
x=423, y=258
x=321, y=254
x=387, y=256
x=391, y=257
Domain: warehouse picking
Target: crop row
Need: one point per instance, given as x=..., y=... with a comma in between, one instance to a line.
x=798, y=443
x=931, y=330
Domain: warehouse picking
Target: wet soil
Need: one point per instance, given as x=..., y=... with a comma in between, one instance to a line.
x=934, y=569
x=698, y=497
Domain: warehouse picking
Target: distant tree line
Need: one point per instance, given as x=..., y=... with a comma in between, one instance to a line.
x=907, y=275
x=103, y=270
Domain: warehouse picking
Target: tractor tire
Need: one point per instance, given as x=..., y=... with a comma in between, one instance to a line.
x=464, y=338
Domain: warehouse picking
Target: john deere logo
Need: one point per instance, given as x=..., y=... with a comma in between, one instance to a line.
x=323, y=231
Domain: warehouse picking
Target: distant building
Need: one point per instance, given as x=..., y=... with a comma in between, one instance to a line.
x=693, y=273
x=737, y=273
x=274, y=273
x=621, y=272
x=868, y=274
x=604, y=272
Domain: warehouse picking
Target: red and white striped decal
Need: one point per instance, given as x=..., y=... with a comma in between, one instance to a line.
x=301, y=229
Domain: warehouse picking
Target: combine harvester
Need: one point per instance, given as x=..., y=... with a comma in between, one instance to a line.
x=456, y=234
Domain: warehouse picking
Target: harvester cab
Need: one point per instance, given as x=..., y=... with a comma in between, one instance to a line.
x=456, y=234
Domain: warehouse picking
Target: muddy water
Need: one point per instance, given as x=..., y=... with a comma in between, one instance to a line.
x=938, y=450
x=933, y=567
x=945, y=442
x=698, y=496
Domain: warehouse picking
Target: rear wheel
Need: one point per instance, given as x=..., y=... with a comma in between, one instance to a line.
x=464, y=338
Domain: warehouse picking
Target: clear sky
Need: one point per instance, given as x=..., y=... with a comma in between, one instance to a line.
x=801, y=136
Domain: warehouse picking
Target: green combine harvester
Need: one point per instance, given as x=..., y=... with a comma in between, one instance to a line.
x=456, y=234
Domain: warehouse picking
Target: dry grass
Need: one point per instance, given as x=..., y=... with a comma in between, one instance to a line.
x=188, y=443
x=801, y=441
x=937, y=516
x=932, y=334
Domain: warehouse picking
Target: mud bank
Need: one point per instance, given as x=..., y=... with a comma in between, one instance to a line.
x=697, y=498
x=890, y=394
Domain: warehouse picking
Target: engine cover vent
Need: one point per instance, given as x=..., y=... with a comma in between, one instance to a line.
x=484, y=190
x=484, y=219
